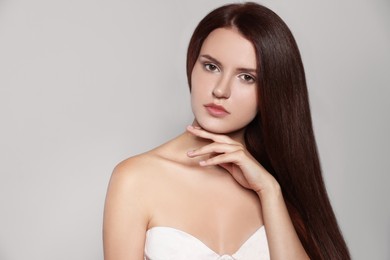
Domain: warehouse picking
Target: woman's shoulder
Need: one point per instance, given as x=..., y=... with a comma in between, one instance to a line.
x=149, y=167
x=133, y=178
x=137, y=166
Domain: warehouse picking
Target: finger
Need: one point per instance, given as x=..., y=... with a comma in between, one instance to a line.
x=235, y=157
x=214, y=148
x=207, y=135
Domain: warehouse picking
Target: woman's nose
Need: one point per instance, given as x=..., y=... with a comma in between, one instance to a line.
x=222, y=89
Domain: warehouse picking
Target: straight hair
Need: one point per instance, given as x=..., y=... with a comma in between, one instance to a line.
x=281, y=136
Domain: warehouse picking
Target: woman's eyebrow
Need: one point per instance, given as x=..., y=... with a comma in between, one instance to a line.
x=248, y=70
x=211, y=59
x=219, y=64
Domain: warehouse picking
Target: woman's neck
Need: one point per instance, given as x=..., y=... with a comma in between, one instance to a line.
x=236, y=135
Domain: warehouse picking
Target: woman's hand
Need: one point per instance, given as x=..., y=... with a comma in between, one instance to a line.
x=234, y=157
x=283, y=241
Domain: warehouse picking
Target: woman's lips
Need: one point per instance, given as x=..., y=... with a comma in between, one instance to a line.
x=216, y=110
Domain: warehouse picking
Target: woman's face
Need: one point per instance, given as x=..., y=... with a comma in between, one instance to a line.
x=223, y=82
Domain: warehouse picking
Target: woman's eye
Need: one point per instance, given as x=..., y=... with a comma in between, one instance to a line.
x=247, y=78
x=211, y=67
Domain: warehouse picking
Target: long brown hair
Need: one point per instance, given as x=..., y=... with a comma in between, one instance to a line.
x=281, y=136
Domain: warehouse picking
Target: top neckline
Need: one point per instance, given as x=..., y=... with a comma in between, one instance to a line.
x=199, y=241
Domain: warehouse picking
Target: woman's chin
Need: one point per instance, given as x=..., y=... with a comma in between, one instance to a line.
x=217, y=128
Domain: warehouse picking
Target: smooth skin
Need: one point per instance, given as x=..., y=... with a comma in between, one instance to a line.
x=172, y=184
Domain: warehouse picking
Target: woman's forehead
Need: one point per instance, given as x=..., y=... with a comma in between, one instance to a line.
x=229, y=46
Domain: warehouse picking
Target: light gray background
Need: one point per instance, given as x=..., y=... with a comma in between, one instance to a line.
x=85, y=84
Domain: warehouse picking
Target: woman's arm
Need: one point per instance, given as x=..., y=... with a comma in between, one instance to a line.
x=283, y=241
x=125, y=215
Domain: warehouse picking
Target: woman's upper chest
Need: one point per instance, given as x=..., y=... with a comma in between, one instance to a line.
x=206, y=203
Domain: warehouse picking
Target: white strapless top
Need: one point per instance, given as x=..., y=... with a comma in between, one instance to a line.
x=166, y=243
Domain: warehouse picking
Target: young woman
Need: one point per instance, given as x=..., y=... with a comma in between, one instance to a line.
x=244, y=180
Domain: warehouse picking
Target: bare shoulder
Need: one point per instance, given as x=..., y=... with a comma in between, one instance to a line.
x=148, y=165
x=129, y=180
x=128, y=207
x=135, y=167
x=135, y=173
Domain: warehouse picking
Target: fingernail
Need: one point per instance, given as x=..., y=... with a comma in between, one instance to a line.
x=190, y=152
x=190, y=127
x=202, y=163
